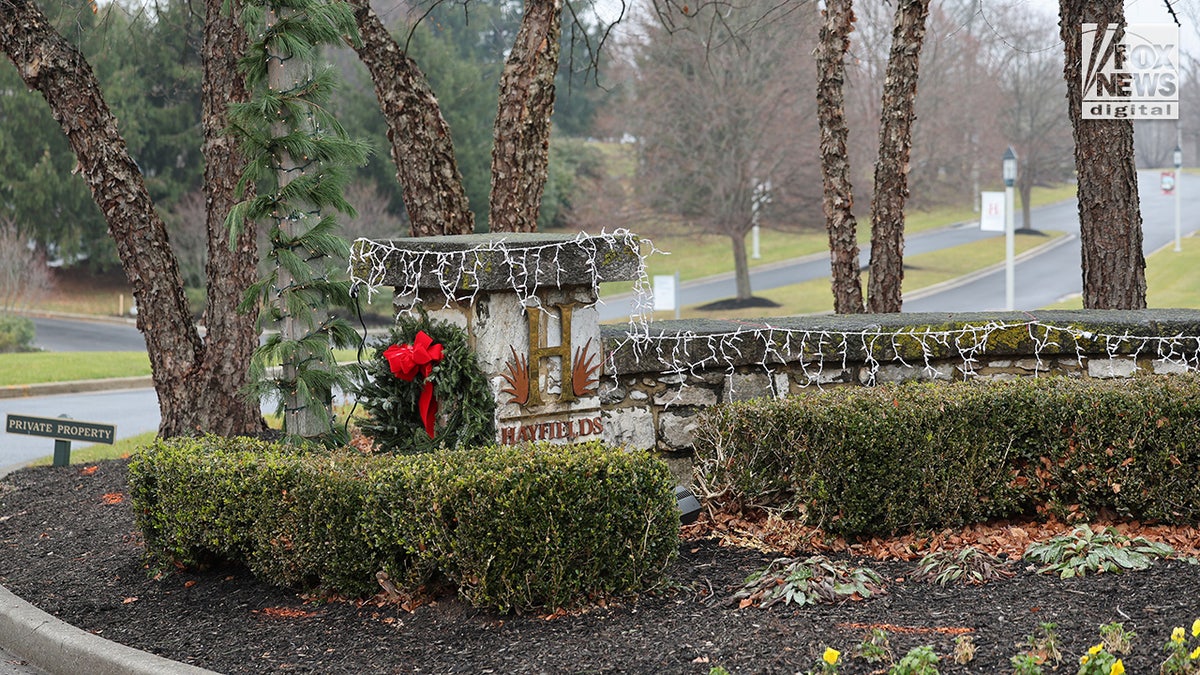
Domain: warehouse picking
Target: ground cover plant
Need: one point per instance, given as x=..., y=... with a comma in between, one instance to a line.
x=967, y=565
x=1085, y=551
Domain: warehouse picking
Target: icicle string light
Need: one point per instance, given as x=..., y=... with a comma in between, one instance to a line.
x=678, y=354
x=806, y=352
x=455, y=274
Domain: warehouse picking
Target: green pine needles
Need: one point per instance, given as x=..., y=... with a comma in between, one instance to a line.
x=297, y=158
x=465, y=401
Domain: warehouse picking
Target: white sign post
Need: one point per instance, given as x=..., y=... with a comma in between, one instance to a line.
x=991, y=211
x=666, y=293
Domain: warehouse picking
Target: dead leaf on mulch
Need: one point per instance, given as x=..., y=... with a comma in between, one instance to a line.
x=88, y=470
x=771, y=533
x=112, y=498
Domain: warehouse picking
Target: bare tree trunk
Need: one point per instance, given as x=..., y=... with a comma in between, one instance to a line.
x=741, y=266
x=1025, y=189
x=838, y=199
x=521, y=151
x=1110, y=219
x=52, y=66
x=218, y=405
x=898, y=110
x=422, y=149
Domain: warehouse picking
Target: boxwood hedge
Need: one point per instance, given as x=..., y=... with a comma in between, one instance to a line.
x=864, y=461
x=512, y=527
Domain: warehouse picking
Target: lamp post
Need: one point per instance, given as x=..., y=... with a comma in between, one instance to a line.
x=1178, y=157
x=1009, y=171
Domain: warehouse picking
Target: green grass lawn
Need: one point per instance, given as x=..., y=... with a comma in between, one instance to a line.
x=1170, y=279
x=921, y=271
x=696, y=255
x=1171, y=276
x=41, y=367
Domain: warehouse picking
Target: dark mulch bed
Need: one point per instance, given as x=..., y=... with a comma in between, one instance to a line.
x=70, y=547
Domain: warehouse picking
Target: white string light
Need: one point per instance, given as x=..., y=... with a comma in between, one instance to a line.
x=806, y=350
x=455, y=274
x=681, y=353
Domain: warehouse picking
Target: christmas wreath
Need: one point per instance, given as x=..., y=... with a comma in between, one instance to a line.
x=423, y=389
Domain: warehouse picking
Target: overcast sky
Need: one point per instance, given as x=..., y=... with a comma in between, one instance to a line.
x=1136, y=11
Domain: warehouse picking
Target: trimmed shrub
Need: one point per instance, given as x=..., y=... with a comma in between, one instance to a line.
x=512, y=527
x=880, y=460
x=16, y=333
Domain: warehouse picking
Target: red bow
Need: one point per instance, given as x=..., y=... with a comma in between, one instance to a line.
x=408, y=361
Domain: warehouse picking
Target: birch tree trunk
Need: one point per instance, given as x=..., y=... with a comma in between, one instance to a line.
x=521, y=152
x=421, y=147
x=898, y=110
x=56, y=69
x=1110, y=219
x=231, y=336
x=838, y=195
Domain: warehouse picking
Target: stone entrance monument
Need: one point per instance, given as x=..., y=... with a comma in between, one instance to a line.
x=528, y=303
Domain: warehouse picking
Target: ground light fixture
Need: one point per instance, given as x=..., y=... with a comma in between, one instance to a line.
x=689, y=506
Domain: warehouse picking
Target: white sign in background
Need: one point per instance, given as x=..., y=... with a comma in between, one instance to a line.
x=664, y=292
x=1135, y=77
x=991, y=211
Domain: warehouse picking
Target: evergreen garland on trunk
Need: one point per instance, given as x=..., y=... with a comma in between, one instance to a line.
x=297, y=158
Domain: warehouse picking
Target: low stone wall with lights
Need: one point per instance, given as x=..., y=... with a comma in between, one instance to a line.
x=528, y=303
x=656, y=382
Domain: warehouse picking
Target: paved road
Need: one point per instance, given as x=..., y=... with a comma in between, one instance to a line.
x=1055, y=275
x=69, y=335
x=11, y=665
x=787, y=273
x=1041, y=281
x=133, y=411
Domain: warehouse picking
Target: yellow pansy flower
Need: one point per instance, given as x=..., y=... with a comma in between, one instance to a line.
x=1096, y=649
x=1117, y=668
x=1196, y=628
x=1195, y=653
x=831, y=655
x=1083, y=659
x=1177, y=635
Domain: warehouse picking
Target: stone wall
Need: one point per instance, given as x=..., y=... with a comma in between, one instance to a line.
x=656, y=383
x=528, y=303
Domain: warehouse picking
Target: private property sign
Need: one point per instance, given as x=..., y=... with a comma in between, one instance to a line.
x=61, y=428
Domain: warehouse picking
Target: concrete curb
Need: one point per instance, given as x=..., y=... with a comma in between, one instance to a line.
x=56, y=646
x=76, y=386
